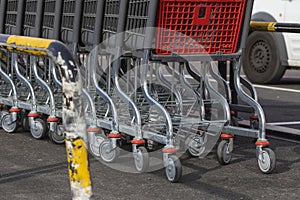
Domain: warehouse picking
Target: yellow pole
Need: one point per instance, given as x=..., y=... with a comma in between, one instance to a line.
x=73, y=114
x=78, y=169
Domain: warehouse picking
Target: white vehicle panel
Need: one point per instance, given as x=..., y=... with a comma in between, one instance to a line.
x=293, y=48
x=275, y=8
x=292, y=15
x=284, y=11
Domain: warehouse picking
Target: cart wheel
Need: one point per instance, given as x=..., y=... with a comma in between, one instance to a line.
x=141, y=159
x=107, y=153
x=7, y=124
x=25, y=123
x=56, y=137
x=2, y=114
x=95, y=147
x=223, y=154
x=268, y=162
x=174, y=169
x=38, y=131
x=196, y=146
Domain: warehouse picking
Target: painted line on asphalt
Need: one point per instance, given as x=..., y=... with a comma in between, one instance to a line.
x=282, y=138
x=284, y=123
x=277, y=88
x=284, y=132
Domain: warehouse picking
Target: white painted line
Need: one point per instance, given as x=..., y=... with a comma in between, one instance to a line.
x=280, y=129
x=277, y=88
x=284, y=123
x=273, y=88
x=284, y=139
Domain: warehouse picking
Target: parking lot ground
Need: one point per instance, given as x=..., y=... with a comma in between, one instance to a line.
x=281, y=101
x=37, y=169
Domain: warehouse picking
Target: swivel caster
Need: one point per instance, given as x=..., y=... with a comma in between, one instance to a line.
x=38, y=129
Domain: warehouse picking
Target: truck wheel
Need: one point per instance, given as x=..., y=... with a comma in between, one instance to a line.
x=261, y=60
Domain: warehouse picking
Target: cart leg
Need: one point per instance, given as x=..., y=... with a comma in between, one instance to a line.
x=172, y=164
x=266, y=156
x=140, y=155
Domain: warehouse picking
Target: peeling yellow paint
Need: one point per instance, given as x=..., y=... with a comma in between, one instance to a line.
x=23, y=41
x=78, y=166
x=29, y=41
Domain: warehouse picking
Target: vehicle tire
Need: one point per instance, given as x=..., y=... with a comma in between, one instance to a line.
x=261, y=59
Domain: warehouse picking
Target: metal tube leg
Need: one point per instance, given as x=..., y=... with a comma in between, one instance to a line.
x=13, y=87
x=125, y=98
x=188, y=86
x=114, y=135
x=169, y=126
x=223, y=101
x=33, y=113
x=52, y=119
x=247, y=99
x=25, y=81
x=234, y=98
x=167, y=84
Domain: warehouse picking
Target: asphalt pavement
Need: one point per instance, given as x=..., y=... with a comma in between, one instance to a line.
x=37, y=170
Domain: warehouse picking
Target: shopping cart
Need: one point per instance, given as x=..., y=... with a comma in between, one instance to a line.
x=230, y=45
x=12, y=24
x=216, y=28
x=152, y=82
x=52, y=14
x=31, y=81
x=14, y=17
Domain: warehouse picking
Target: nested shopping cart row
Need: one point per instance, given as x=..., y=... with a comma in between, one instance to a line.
x=149, y=71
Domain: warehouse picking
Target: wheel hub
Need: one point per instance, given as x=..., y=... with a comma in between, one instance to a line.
x=260, y=56
x=170, y=169
x=37, y=129
x=226, y=153
x=107, y=149
x=108, y=154
x=265, y=161
x=7, y=124
x=139, y=160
